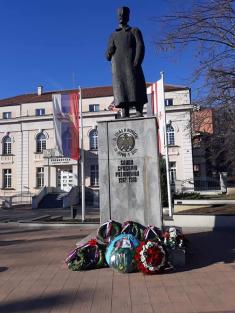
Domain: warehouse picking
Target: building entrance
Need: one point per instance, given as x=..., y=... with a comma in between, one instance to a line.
x=65, y=179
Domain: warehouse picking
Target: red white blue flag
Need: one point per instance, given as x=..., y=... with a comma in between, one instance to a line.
x=66, y=123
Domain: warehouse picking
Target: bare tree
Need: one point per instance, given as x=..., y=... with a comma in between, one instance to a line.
x=209, y=26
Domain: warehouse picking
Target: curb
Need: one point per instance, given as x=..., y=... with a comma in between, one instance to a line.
x=50, y=225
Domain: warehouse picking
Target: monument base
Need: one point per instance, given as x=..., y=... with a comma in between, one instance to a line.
x=129, y=175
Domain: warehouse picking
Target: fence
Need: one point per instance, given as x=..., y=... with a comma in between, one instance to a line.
x=17, y=199
x=199, y=184
x=206, y=183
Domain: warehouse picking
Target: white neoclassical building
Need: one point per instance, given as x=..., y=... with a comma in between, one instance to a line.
x=29, y=159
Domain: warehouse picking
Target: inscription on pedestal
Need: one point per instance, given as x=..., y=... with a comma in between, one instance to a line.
x=127, y=172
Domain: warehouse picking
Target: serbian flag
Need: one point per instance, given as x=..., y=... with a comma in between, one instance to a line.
x=66, y=123
x=156, y=107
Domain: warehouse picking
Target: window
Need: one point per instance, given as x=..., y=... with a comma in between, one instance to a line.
x=39, y=112
x=39, y=177
x=94, y=107
x=196, y=170
x=93, y=137
x=40, y=143
x=172, y=172
x=6, y=145
x=196, y=167
x=168, y=102
x=196, y=142
x=94, y=175
x=6, y=115
x=170, y=133
x=7, y=178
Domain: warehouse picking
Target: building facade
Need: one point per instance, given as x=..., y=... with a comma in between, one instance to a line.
x=29, y=159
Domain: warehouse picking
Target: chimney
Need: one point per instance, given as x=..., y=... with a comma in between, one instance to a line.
x=40, y=90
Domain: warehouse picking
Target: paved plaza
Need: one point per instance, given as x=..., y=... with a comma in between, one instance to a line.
x=34, y=278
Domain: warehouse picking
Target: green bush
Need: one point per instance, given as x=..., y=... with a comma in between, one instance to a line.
x=188, y=195
x=163, y=180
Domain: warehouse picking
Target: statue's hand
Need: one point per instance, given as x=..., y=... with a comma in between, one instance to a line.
x=110, y=53
x=136, y=63
x=112, y=50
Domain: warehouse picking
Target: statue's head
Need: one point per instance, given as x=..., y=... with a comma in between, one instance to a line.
x=123, y=15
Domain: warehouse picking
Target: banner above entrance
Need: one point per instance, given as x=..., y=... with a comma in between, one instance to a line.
x=59, y=161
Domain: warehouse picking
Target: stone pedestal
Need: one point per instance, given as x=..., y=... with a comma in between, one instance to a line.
x=129, y=176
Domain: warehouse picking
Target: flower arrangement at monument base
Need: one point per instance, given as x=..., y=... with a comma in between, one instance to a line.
x=150, y=257
x=108, y=231
x=87, y=256
x=120, y=253
x=153, y=233
x=173, y=238
x=133, y=228
x=175, y=244
x=129, y=247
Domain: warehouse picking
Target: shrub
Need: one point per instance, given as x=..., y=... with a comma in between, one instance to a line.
x=188, y=195
x=163, y=180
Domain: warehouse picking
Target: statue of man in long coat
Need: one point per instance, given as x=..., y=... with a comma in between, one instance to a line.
x=126, y=51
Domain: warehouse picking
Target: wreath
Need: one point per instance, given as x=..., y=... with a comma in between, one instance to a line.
x=150, y=257
x=108, y=231
x=173, y=238
x=85, y=257
x=133, y=228
x=78, y=263
x=120, y=253
x=152, y=233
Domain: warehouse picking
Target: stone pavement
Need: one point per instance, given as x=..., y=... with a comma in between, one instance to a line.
x=34, y=278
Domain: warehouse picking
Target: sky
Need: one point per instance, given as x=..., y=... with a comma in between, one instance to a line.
x=60, y=44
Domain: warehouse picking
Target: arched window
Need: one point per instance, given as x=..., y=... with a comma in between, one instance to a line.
x=170, y=133
x=40, y=143
x=93, y=136
x=6, y=149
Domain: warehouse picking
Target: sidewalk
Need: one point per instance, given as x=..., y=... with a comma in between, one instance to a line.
x=34, y=278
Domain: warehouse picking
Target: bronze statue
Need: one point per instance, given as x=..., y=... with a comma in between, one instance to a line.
x=126, y=51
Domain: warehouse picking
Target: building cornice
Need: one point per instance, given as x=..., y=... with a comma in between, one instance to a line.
x=184, y=107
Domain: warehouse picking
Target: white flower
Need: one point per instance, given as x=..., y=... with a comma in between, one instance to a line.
x=142, y=259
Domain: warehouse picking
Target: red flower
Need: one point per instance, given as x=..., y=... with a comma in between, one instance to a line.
x=153, y=257
x=92, y=242
x=166, y=235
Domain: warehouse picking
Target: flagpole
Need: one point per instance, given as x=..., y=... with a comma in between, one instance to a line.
x=167, y=154
x=82, y=157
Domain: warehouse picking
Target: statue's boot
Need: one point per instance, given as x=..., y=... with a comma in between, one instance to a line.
x=139, y=110
x=125, y=112
x=139, y=114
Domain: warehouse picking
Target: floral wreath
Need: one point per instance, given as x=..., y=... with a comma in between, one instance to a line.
x=133, y=228
x=121, y=251
x=152, y=233
x=150, y=257
x=108, y=231
x=86, y=257
x=173, y=238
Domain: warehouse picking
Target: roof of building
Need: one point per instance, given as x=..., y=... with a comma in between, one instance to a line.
x=90, y=92
x=202, y=121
